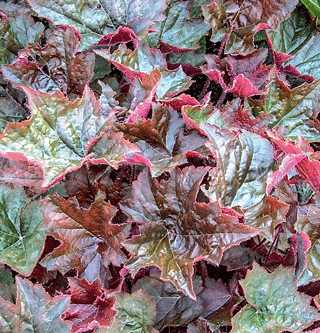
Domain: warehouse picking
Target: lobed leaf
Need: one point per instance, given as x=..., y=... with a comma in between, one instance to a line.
x=275, y=303
x=22, y=231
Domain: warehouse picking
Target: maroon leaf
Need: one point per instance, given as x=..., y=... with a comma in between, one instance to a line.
x=300, y=156
x=55, y=66
x=177, y=230
x=89, y=241
x=90, y=306
x=174, y=309
x=162, y=139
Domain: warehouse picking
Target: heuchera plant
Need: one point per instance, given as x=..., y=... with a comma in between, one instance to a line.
x=159, y=166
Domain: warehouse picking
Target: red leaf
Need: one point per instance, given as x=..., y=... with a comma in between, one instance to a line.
x=90, y=307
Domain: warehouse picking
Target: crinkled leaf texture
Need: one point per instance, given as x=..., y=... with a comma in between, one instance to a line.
x=89, y=241
x=90, y=307
x=292, y=34
x=275, y=304
x=135, y=314
x=163, y=140
x=244, y=160
x=307, y=60
x=21, y=171
x=149, y=66
x=10, y=109
x=56, y=66
x=181, y=30
x=177, y=230
x=95, y=18
x=292, y=111
x=174, y=309
x=22, y=231
x=34, y=311
x=57, y=134
x=244, y=17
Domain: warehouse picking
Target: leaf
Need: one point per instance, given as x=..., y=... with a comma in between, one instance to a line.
x=22, y=233
x=293, y=111
x=67, y=126
x=228, y=116
x=90, y=306
x=34, y=311
x=181, y=230
x=172, y=83
x=96, y=18
x=244, y=17
x=113, y=149
x=274, y=303
x=308, y=224
x=273, y=214
x=146, y=70
x=136, y=64
x=162, y=139
x=307, y=60
x=298, y=156
x=313, y=6
x=5, y=54
x=135, y=314
x=108, y=99
x=56, y=66
x=174, y=309
x=8, y=288
x=247, y=74
x=244, y=160
x=180, y=29
x=19, y=170
x=88, y=239
x=243, y=87
x=200, y=326
x=10, y=109
x=147, y=64
x=23, y=28
x=293, y=33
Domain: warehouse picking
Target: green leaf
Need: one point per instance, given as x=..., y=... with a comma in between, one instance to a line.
x=34, y=311
x=142, y=63
x=275, y=305
x=313, y=6
x=292, y=34
x=243, y=162
x=180, y=29
x=313, y=261
x=7, y=284
x=293, y=111
x=95, y=18
x=22, y=233
x=307, y=60
x=58, y=132
x=137, y=63
x=135, y=314
x=172, y=83
x=5, y=54
x=153, y=248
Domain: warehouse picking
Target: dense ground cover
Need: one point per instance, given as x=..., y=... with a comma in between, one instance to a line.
x=159, y=166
